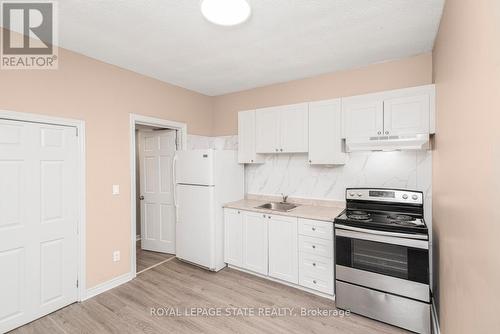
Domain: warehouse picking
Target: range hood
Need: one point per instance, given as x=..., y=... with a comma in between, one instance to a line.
x=388, y=143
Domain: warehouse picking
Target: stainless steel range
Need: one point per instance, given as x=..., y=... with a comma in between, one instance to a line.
x=382, y=257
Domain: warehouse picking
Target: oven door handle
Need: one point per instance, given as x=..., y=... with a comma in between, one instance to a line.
x=403, y=239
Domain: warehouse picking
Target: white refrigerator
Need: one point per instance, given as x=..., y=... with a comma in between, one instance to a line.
x=204, y=181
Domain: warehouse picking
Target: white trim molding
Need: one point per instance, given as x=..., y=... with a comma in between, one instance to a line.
x=434, y=319
x=80, y=128
x=108, y=285
x=159, y=123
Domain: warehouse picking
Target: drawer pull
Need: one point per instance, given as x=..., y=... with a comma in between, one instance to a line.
x=314, y=229
x=264, y=216
x=314, y=264
x=313, y=246
x=314, y=281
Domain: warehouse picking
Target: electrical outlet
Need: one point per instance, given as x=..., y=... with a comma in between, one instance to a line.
x=116, y=256
x=116, y=189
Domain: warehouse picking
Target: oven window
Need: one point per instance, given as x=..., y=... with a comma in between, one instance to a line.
x=382, y=258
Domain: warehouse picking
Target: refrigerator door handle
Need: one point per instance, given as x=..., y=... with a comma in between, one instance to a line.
x=174, y=160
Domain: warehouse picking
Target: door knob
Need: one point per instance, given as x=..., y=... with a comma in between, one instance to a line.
x=141, y=198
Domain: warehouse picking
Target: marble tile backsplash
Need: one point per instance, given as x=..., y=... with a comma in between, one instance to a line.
x=291, y=173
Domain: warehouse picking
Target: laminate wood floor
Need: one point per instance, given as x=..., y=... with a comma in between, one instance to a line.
x=174, y=284
x=146, y=259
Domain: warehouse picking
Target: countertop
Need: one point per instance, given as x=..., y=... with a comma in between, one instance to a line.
x=317, y=212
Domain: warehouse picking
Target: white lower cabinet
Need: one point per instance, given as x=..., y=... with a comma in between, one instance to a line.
x=293, y=250
x=283, y=254
x=316, y=272
x=316, y=255
x=255, y=242
x=233, y=237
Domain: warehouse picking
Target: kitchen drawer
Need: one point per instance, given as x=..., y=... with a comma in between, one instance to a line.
x=395, y=310
x=316, y=246
x=316, y=272
x=316, y=228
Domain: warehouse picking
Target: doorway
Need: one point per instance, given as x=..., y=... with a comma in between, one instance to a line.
x=154, y=214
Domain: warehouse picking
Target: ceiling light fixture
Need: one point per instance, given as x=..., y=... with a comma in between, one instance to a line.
x=226, y=12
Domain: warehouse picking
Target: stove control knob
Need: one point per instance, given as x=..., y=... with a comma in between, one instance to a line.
x=360, y=194
x=405, y=196
x=414, y=197
x=351, y=194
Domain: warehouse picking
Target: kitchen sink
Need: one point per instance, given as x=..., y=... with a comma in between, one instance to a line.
x=278, y=206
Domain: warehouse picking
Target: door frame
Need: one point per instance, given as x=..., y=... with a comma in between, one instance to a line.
x=81, y=224
x=136, y=119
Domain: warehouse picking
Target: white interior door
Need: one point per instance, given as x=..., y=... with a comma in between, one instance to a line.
x=156, y=153
x=38, y=220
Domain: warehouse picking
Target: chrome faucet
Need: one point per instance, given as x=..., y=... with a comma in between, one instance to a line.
x=284, y=198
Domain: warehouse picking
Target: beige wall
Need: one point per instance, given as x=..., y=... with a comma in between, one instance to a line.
x=466, y=170
x=103, y=95
x=407, y=72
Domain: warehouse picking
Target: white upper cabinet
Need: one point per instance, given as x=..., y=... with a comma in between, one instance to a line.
x=283, y=253
x=325, y=137
x=364, y=117
x=406, y=115
x=246, y=138
x=402, y=112
x=267, y=126
x=294, y=129
x=282, y=129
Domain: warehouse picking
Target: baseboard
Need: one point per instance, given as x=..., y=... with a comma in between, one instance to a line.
x=105, y=286
x=434, y=319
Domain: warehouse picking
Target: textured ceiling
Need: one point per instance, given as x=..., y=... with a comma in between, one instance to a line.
x=283, y=40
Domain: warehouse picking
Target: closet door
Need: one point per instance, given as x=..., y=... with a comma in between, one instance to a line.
x=38, y=220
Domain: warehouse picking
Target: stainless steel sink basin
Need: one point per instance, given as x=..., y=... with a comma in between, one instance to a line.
x=278, y=206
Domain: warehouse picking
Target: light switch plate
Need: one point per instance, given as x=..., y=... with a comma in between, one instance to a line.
x=116, y=189
x=116, y=256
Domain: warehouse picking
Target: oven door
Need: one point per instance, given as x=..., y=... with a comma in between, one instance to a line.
x=385, y=261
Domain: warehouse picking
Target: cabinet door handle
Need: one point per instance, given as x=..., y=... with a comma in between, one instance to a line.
x=314, y=264
x=238, y=212
x=310, y=161
x=387, y=132
x=314, y=281
x=314, y=229
x=281, y=149
x=380, y=132
x=264, y=216
x=314, y=246
x=276, y=150
x=269, y=217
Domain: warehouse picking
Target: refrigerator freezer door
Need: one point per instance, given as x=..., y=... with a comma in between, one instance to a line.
x=195, y=167
x=195, y=229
